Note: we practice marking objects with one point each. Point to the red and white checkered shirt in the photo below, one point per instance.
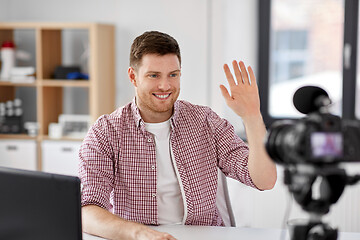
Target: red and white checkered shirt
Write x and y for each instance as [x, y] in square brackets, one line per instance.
[118, 163]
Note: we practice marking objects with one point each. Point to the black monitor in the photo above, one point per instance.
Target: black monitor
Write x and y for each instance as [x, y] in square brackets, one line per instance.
[39, 205]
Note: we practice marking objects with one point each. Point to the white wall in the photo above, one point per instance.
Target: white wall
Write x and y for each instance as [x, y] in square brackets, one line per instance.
[3, 8]
[185, 20]
[239, 29]
[202, 28]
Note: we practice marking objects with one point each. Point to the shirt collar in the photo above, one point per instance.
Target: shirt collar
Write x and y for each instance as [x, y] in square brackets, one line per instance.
[136, 113]
[175, 115]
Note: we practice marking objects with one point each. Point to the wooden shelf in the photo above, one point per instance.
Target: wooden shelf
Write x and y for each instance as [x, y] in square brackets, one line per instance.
[50, 94]
[65, 83]
[17, 136]
[50, 25]
[49, 83]
[61, 139]
[12, 84]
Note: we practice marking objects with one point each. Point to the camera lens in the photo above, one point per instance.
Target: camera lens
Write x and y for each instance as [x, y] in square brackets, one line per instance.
[275, 141]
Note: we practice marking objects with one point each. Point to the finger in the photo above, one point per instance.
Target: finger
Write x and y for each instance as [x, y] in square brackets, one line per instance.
[171, 237]
[225, 93]
[252, 77]
[244, 72]
[167, 236]
[237, 72]
[229, 76]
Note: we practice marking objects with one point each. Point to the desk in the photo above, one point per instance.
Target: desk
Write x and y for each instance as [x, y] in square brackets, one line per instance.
[184, 232]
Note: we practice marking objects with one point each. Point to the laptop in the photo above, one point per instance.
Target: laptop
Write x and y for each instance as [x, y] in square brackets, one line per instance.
[39, 205]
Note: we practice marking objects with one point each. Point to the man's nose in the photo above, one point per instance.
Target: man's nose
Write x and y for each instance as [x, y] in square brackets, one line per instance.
[164, 84]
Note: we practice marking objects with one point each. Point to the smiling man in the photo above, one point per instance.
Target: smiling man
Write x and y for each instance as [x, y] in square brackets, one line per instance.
[155, 160]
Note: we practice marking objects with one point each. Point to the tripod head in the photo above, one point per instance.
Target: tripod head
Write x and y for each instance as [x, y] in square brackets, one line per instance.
[301, 178]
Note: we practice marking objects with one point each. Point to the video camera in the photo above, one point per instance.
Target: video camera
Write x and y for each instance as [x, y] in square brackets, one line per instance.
[311, 149]
[319, 138]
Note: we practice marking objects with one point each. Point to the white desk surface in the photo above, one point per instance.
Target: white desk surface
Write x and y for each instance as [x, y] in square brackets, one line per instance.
[183, 232]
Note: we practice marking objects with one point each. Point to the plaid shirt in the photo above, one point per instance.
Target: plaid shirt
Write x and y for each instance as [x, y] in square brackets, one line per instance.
[118, 162]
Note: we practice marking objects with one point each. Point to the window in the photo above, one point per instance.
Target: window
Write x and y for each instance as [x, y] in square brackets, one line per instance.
[289, 54]
[305, 43]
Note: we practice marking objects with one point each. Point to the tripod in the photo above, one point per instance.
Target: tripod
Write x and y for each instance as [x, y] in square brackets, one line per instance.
[300, 180]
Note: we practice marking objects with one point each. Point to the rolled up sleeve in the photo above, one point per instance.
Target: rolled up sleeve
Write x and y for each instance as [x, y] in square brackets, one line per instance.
[232, 151]
[96, 167]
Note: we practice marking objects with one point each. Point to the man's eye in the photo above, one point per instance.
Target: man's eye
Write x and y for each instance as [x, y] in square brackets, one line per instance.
[173, 75]
[153, 75]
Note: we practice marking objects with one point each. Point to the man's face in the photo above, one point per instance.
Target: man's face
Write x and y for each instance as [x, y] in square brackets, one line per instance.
[157, 85]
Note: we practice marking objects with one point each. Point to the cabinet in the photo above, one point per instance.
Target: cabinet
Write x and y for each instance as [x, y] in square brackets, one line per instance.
[48, 94]
[18, 154]
[60, 157]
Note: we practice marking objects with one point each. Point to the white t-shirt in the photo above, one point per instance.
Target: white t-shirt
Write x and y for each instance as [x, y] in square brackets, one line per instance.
[169, 198]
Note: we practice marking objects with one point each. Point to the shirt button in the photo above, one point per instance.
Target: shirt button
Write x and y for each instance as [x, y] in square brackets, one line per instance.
[149, 140]
[153, 167]
[153, 195]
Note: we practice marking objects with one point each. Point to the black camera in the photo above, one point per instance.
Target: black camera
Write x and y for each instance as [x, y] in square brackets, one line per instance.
[310, 149]
[318, 138]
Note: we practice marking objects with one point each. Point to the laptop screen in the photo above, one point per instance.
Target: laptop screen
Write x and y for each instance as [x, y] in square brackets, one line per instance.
[38, 205]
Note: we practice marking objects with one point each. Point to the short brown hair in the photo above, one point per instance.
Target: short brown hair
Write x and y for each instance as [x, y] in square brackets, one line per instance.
[153, 42]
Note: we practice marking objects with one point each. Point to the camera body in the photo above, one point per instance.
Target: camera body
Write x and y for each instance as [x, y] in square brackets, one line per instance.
[318, 139]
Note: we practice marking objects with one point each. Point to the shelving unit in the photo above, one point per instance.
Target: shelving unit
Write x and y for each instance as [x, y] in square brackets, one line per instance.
[50, 92]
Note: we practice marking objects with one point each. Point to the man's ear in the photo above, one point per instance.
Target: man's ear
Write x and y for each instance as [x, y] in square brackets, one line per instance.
[132, 76]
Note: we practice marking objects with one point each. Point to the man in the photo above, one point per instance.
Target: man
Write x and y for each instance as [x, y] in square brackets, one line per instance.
[155, 160]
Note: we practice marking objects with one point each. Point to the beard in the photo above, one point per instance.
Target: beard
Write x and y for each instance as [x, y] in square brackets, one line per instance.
[146, 101]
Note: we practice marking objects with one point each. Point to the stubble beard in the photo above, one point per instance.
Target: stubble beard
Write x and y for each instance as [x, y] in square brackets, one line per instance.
[151, 104]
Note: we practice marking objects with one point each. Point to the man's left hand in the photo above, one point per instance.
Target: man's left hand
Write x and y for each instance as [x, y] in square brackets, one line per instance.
[243, 98]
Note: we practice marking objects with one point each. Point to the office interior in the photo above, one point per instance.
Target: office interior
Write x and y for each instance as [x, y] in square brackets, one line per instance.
[306, 47]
